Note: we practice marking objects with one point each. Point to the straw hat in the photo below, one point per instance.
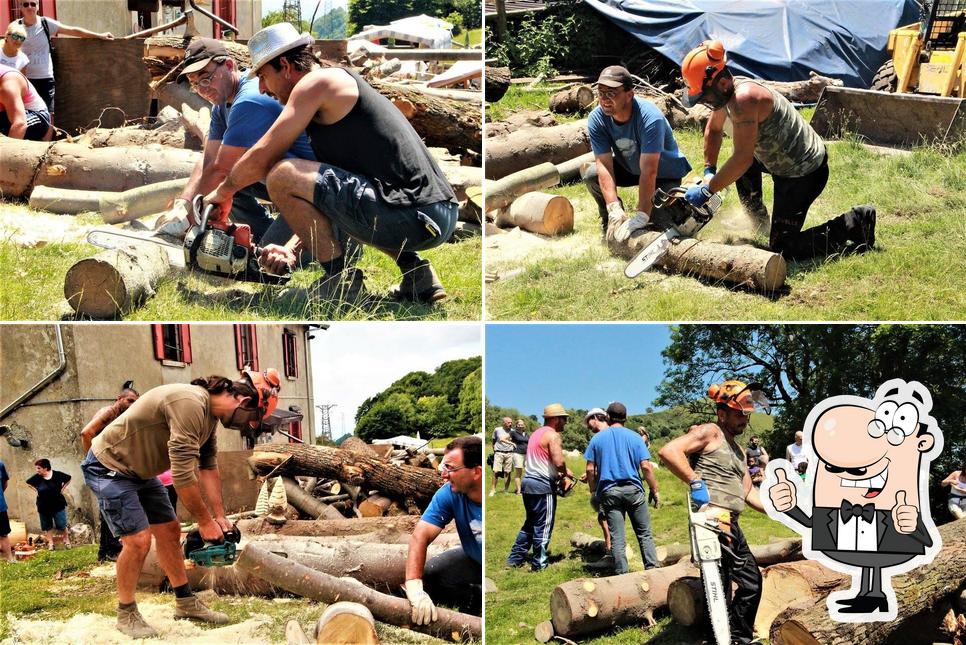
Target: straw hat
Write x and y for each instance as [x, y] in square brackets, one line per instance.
[555, 410]
[273, 41]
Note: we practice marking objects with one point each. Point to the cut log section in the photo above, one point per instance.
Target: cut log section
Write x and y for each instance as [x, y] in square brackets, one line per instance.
[784, 584]
[294, 634]
[528, 147]
[346, 623]
[379, 505]
[589, 605]
[403, 524]
[571, 170]
[670, 553]
[317, 461]
[302, 581]
[115, 208]
[541, 213]
[496, 81]
[358, 446]
[685, 601]
[307, 504]
[736, 264]
[573, 100]
[501, 193]
[543, 632]
[114, 282]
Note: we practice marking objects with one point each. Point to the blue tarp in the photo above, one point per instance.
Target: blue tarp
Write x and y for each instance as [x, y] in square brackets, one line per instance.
[778, 40]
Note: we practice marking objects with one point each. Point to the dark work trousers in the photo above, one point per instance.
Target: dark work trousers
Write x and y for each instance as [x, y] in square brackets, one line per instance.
[535, 532]
[628, 498]
[793, 197]
[108, 546]
[624, 178]
[743, 606]
[453, 579]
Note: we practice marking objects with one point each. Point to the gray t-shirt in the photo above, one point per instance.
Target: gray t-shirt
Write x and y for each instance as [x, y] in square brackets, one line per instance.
[37, 48]
[17, 62]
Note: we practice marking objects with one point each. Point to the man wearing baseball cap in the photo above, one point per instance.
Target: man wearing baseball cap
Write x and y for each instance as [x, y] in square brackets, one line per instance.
[375, 178]
[545, 465]
[633, 146]
[596, 420]
[769, 136]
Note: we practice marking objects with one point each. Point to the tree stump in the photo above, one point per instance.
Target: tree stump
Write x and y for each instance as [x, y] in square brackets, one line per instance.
[573, 100]
[346, 623]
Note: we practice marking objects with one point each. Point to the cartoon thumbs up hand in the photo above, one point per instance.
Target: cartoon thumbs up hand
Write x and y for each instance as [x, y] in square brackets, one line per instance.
[904, 516]
[783, 494]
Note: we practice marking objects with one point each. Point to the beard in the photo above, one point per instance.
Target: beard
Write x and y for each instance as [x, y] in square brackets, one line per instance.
[716, 99]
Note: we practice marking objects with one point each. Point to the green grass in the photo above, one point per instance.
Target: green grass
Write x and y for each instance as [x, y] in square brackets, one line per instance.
[470, 37]
[912, 275]
[34, 288]
[517, 100]
[523, 598]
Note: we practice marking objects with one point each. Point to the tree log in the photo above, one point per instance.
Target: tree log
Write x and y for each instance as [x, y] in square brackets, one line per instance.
[294, 634]
[685, 601]
[570, 171]
[496, 81]
[380, 505]
[308, 504]
[670, 553]
[338, 527]
[197, 122]
[573, 100]
[528, 147]
[787, 550]
[501, 193]
[115, 208]
[541, 213]
[589, 605]
[784, 584]
[114, 282]
[71, 165]
[172, 135]
[543, 632]
[803, 91]
[399, 481]
[302, 581]
[346, 623]
[742, 265]
[358, 446]
[916, 591]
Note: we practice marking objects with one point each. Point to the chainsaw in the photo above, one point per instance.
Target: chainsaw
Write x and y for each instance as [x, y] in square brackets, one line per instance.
[209, 554]
[688, 218]
[706, 553]
[214, 246]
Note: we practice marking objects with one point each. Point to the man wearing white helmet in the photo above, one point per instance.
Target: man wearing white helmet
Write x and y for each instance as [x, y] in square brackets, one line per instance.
[376, 181]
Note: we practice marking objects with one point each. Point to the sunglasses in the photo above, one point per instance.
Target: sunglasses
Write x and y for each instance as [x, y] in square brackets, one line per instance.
[16, 37]
[28, 5]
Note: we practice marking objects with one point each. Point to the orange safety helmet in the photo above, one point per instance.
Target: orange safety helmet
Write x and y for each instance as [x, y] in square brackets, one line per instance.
[700, 68]
[267, 384]
[737, 395]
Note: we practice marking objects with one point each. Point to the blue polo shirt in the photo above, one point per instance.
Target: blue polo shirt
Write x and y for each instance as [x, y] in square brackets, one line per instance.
[4, 477]
[646, 132]
[447, 506]
[242, 122]
[617, 453]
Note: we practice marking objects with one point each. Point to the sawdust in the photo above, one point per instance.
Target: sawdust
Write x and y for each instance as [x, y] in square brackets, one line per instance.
[99, 628]
[106, 570]
[518, 247]
[32, 229]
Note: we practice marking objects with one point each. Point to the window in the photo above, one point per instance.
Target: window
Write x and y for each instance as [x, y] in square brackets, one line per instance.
[295, 429]
[290, 354]
[224, 9]
[246, 347]
[172, 343]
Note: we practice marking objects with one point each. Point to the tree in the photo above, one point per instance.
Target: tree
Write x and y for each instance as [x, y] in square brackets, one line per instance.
[470, 398]
[275, 17]
[389, 417]
[331, 25]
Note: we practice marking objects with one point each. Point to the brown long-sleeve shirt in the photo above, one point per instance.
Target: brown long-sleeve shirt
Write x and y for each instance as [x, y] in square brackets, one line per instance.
[170, 426]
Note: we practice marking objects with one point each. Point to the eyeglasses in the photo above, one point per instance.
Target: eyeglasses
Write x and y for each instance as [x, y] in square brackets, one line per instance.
[28, 5]
[202, 81]
[449, 468]
[16, 37]
[609, 94]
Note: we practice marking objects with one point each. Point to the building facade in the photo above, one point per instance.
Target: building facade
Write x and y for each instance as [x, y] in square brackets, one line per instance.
[68, 372]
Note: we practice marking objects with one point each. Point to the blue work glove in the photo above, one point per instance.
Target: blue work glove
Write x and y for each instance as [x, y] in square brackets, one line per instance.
[699, 492]
[697, 196]
[709, 170]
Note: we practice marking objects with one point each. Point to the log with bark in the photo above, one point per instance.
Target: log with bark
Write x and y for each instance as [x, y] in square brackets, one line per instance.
[403, 524]
[71, 165]
[786, 583]
[742, 265]
[917, 591]
[346, 623]
[589, 605]
[380, 505]
[307, 504]
[317, 461]
[576, 99]
[115, 208]
[807, 91]
[173, 137]
[668, 554]
[496, 81]
[114, 282]
[572, 169]
[686, 601]
[541, 213]
[528, 147]
[302, 581]
[358, 446]
[502, 192]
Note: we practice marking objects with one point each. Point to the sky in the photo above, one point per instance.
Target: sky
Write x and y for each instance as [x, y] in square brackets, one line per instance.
[580, 366]
[308, 6]
[353, 361]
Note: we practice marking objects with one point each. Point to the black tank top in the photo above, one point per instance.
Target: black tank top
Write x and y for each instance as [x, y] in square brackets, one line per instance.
[376, 141]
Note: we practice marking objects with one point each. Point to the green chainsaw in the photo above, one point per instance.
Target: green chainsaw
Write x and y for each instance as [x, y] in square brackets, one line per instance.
[211, 554]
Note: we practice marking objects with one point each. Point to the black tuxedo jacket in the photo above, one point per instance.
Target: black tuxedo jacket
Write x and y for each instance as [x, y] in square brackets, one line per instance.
[825, 526]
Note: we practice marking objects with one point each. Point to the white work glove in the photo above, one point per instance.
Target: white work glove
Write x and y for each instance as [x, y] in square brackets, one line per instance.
[424, 611]
[174, 223]
[615, 214]
[629, 226]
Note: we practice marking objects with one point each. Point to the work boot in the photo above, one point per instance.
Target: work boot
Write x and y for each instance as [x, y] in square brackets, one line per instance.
[860, 227]
[131, 623]
[194, 609]
[419, 284]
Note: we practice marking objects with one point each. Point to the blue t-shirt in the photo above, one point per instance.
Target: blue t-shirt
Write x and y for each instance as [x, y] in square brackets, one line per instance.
[243, 122]
[647, 131]
[617, 453]
[4, 478]
[447, 505]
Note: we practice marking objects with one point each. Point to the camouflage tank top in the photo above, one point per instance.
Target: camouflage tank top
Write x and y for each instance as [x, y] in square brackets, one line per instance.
[786, 146]
[723, 470]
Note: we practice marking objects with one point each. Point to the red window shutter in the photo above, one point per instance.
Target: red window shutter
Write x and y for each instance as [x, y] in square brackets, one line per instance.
[254, 340]
[295, 430]
[239, 353]
[295, 356]
[185, 343]
[157, 331]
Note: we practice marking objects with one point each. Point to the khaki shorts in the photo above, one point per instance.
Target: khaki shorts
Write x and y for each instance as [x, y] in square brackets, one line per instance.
[519, 461]
[502, 462]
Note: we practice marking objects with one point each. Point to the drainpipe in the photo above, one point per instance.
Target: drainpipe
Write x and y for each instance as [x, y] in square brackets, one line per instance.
[45, 381]
[212, 16]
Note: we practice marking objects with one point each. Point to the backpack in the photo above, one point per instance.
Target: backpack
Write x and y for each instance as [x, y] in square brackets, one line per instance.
[50, 43]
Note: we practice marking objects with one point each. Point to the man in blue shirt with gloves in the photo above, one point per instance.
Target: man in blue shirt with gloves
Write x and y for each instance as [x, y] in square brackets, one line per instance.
[633, 146]
[616, 457]
[456, 575]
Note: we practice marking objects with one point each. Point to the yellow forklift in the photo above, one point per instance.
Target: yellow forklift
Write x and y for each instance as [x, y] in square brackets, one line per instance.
[918, 96]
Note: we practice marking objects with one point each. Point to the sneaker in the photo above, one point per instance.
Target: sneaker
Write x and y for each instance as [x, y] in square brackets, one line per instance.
[131, 623]
[419, 284]
[194, 609]
[492, 493]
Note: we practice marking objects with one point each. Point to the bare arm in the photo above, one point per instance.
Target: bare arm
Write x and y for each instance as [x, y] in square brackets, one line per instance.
[211, 484]
[763, 459]
[645, 188]
[675, 452]
[422, 537]
[11, 98]
[204, 165]
[745, 120]
[713, 136]
[555, 447]
[190, 496]
[605, 177]
[592, 477]
[80, 32]
[648, 471]
[92, 429]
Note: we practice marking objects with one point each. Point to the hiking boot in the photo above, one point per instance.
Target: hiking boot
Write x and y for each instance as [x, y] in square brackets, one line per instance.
[419, 284]
[345, 287]
[194, 609]
[860, 227]
[131, 623]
